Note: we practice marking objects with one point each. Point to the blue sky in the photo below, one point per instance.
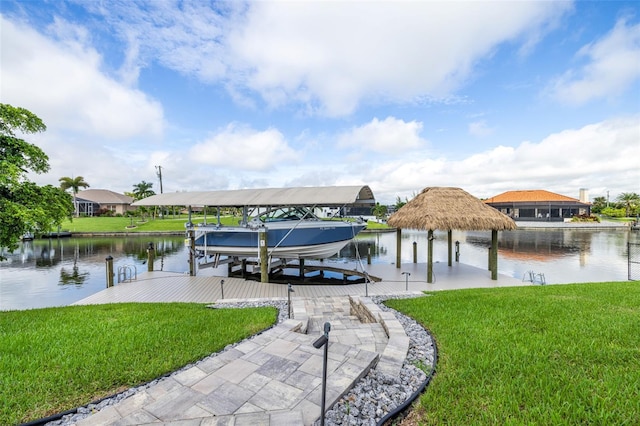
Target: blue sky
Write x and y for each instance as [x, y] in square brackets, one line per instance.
[486, 96]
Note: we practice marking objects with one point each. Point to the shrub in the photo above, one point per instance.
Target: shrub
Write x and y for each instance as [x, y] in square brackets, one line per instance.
[585, 218]
[611, 212]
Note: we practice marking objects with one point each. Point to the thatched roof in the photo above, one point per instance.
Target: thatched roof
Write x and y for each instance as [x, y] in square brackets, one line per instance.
[449, 208]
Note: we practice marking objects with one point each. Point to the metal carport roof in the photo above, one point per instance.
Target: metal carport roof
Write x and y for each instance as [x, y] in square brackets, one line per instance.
[263, 197]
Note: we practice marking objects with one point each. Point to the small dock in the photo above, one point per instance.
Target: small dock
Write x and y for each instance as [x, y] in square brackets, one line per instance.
[160, 286]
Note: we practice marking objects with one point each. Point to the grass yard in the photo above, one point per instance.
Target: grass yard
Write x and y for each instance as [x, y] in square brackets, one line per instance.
[123, 224]
[168, 224]
[543, 355]
[56, 359]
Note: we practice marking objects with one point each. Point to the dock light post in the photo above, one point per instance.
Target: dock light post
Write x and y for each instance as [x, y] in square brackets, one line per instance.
[222, 289]
[289, 291]
[457, 251]
[320, 342]
[366, 284]
[407, 275]
[109, 260]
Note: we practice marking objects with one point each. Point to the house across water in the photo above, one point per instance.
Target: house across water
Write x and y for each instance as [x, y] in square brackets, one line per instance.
[540, 205]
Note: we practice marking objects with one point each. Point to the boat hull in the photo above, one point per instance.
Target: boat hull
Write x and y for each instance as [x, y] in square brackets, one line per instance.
[316, 240]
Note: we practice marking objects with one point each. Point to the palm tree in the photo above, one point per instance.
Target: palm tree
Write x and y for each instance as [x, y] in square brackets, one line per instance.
[630, 200]
[74, 184]
[143, 190]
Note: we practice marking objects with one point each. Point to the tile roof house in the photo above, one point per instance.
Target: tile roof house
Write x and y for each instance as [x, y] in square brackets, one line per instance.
[540, 205]
[92, 200]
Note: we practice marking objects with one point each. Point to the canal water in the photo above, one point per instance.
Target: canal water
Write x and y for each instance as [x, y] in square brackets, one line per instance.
[58, 272]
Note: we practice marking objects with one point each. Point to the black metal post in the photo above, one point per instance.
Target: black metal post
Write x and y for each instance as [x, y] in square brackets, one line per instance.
[407, 274]
[323, 341]
[289, 291]
[366, 284]
[222, 289]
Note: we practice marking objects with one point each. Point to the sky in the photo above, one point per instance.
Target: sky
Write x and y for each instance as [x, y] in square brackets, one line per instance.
[488, 96]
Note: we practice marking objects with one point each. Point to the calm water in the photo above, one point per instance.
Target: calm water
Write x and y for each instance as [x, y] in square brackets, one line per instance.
[45, 273]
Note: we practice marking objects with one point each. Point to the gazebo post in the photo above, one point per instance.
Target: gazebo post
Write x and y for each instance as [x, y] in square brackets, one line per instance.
[398, 247]
[430, 257]
[494, 254]
[450, 243]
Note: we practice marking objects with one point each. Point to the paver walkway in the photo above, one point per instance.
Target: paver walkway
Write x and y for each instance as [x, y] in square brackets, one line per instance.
[273, 378]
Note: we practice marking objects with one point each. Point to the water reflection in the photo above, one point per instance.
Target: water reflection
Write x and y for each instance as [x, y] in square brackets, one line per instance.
[59, 272]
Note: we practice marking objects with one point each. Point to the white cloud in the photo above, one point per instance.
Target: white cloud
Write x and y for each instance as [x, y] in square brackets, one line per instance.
[62, 83]
[333, 55]
[600, 155]
[388, 136]
[613, 64]
[480, 129]
[328, 57]
[241, 147]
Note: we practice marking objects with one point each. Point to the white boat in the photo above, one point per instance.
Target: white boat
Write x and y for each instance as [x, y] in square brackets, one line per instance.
[291, 233]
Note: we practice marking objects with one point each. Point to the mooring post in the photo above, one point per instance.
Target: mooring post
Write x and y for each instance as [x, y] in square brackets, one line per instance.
[109, 262]
[415, 252]
[320, 342]
[264, 256]
[221, 289]
[150, 257]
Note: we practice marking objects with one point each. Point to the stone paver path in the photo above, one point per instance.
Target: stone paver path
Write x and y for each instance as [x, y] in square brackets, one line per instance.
[273, 378]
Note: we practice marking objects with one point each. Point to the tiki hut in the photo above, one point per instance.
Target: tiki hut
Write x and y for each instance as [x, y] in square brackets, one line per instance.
[448, 209]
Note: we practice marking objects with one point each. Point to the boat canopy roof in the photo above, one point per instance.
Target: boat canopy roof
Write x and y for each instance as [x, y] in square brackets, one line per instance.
[321, 196]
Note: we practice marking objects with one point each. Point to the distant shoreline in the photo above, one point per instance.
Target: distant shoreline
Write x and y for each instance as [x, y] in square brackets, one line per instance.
[574, 225]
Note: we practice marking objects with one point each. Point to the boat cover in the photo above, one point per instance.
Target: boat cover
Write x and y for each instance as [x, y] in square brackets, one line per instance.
[322, 196]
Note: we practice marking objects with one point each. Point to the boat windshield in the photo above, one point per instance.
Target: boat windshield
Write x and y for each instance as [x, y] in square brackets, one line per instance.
[287, 213]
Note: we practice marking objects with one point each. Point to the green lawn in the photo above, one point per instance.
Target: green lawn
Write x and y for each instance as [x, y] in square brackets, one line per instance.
[169, 224]
[539, 355]
[123, 224]
[55, 359]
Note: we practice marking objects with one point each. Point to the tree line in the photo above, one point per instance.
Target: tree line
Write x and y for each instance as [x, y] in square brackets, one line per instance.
[626, 204]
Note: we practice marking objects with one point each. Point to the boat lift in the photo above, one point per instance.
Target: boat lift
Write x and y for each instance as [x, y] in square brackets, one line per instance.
[332, 196]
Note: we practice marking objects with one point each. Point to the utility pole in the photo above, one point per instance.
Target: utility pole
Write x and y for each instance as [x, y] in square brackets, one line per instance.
[159, 173]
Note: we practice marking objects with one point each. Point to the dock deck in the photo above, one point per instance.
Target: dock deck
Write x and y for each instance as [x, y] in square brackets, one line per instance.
[161, 286]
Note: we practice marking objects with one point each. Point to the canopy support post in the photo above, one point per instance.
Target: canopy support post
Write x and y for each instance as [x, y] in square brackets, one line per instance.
[264, 256]
[398, 248]
[450, 244]
[192, 251]
[430, 257]
[494, 254]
